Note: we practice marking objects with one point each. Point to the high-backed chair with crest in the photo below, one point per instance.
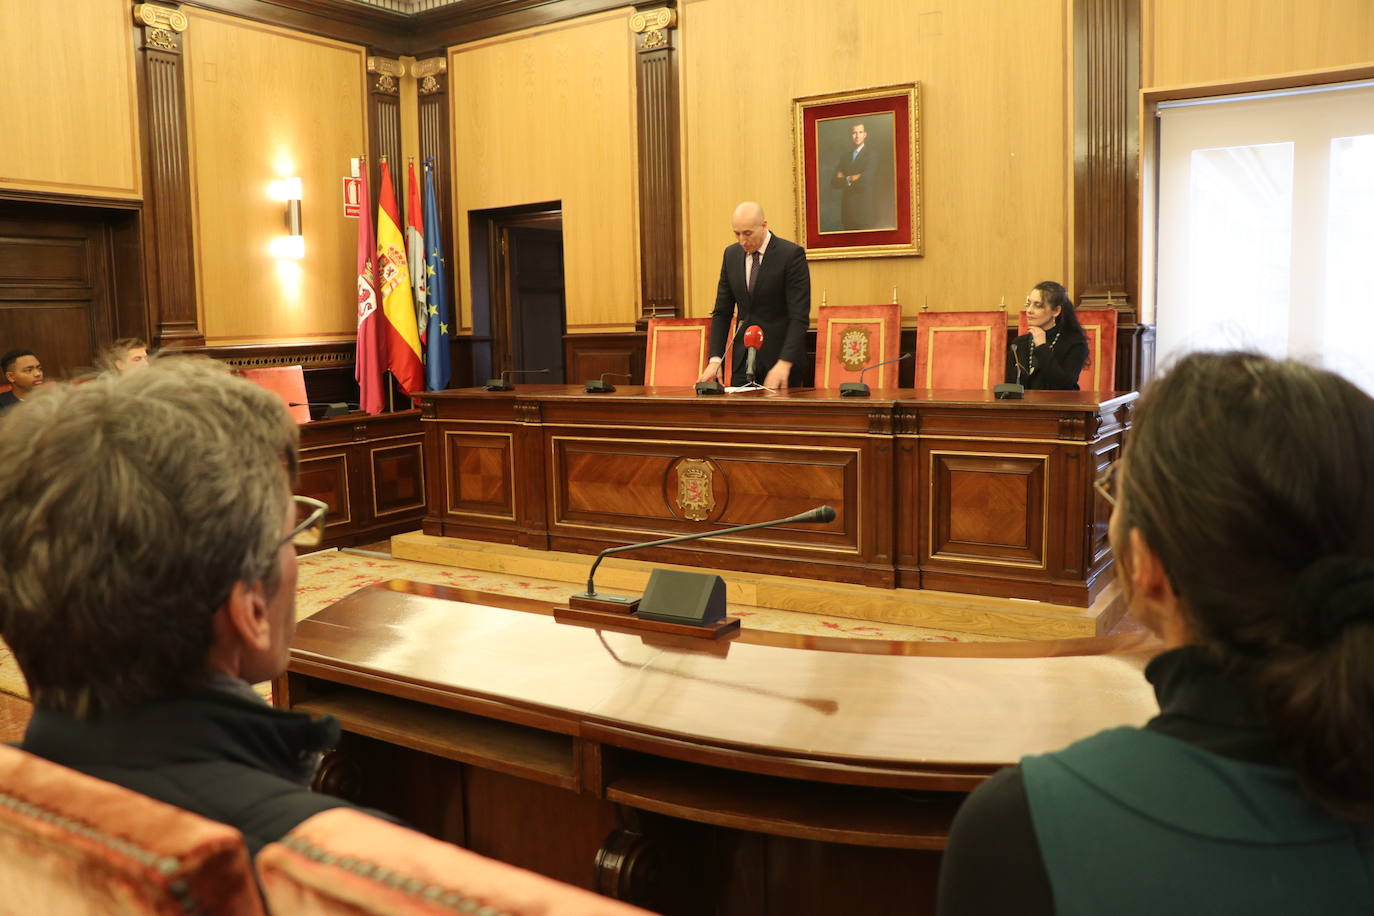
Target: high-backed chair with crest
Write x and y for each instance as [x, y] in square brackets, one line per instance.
[850, 337]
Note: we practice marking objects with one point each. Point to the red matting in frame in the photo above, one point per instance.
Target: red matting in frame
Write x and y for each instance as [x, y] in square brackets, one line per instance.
[899, 105]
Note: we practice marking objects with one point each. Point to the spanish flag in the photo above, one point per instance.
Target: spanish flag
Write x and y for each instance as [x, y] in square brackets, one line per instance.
[400, 331]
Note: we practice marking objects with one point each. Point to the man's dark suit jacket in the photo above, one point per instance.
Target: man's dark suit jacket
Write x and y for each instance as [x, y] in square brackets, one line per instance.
[780, 305]
[856, 201]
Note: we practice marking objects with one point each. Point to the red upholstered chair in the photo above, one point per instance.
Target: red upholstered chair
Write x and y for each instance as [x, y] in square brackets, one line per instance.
[344, 862]
[849, 337]
[676, 351]
[75, 845]
[1099, 327]
[960, 349]
[287, 382]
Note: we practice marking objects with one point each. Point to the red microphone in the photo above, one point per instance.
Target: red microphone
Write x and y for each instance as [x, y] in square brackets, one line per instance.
[753, 339]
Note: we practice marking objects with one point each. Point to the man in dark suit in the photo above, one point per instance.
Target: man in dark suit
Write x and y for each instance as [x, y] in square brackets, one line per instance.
[768, 279]
[851, 176]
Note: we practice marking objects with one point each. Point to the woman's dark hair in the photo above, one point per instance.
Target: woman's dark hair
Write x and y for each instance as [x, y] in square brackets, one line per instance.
[1253, 480]
[1056, 296]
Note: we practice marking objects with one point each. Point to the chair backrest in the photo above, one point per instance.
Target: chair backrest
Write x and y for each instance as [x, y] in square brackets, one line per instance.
[288, 383]
[960, 349]
[1099, 327]
[342, 861]
[677, 349]
[76, 845]
[849, 337]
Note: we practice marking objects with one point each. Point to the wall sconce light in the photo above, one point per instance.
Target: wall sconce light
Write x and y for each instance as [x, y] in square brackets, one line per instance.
[291, 245]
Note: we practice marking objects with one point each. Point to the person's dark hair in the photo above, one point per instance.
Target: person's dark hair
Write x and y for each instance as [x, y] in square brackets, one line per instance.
[129, 507]
[1056, 296]
[7, 361]
[1253, 480]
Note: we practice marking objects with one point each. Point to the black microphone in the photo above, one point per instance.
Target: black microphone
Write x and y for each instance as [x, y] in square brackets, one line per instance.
[601, 386]
[331, 408]
[818, 515]
[500, 384]
[859, 389]
[1011, 391]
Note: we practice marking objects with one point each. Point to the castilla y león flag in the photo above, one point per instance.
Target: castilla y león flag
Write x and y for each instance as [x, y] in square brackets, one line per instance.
[400, 332]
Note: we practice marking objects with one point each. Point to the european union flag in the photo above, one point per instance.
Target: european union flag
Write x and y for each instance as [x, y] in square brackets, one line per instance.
[438, 356]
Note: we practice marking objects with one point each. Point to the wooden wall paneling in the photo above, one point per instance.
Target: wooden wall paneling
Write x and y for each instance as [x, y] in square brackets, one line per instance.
[71, 99]
[168, 236]
[56, 288]
[435, 30]
[383, 30]
[384, 126]
[660, 169]
[587, 356]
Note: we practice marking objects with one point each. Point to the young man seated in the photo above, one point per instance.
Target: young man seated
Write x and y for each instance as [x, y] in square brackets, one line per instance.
[23, 373]
[150, 577]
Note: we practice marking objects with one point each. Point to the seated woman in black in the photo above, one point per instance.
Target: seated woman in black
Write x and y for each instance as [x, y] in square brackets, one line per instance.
[1049, 356]
[1243, 530]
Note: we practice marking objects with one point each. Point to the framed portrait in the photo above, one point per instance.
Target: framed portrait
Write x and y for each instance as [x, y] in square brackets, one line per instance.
[858, 172]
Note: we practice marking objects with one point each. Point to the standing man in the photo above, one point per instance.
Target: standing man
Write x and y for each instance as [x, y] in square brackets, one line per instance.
[853, 179]
[24, 373]
[767, 278]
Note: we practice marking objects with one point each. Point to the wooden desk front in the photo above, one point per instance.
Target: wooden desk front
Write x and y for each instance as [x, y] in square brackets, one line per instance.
[764, 774]
[950, 490]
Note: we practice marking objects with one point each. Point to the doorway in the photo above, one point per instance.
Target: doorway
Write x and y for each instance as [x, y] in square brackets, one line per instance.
[524, 303]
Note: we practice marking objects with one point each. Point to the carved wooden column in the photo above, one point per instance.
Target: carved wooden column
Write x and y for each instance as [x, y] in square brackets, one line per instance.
[169, 256]
[384, 123]
[1106, 88]
[431, 77]
[660, 164]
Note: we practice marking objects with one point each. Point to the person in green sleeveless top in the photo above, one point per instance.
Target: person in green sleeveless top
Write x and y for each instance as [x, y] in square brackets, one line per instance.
[1243, 529]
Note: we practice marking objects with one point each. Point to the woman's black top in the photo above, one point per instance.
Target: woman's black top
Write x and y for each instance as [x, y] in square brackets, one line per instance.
[1052, 366]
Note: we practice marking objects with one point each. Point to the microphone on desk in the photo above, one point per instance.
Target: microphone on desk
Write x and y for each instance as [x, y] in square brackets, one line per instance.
[502, 384]
[859, 389]
[677, 596]
[1011, 391]
[331, 408]
[753, 339]
[601, 386]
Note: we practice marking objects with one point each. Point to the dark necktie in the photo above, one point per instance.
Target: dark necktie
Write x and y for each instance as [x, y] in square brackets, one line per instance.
[754, 270]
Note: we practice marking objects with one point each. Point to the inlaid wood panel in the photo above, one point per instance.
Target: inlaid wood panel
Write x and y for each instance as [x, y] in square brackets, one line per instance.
[398, 478]
[479, 474]
[325, 477]
[988, 506]
[70, 122]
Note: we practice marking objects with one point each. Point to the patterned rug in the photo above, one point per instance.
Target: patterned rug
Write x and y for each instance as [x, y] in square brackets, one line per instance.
[327, 576]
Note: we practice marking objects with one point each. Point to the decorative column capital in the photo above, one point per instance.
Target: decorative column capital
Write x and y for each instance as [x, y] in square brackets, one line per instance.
[387, 72]
[652, 27]
[162, 26]
[430, 74]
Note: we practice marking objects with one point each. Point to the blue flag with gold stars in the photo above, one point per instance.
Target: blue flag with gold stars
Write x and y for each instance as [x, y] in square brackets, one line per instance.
[438, 356]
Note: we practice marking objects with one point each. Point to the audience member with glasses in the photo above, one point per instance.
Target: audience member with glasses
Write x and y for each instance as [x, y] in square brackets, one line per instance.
[1051, 354]
[1243, 530]
[150, 578]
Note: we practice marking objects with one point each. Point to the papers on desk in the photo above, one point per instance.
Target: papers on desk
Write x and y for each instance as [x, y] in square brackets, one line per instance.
[753, 386]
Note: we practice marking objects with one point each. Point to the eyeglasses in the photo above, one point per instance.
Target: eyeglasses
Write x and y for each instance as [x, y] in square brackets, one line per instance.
[309, 531]
[1105, 484]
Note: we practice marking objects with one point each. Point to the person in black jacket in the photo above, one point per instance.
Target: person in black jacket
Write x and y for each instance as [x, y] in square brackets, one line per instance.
[1243, 532]
[150, 578]
[1052, 353]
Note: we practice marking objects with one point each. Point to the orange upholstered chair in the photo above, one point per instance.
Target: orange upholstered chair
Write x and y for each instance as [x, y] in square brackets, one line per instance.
[1099, 327]
[343, 861]
[78, 846]
[677, 348]
[288, 383]
[849, 337]
[960, 349]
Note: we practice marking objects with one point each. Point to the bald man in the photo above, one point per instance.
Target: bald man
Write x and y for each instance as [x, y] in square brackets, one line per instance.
[767, 280]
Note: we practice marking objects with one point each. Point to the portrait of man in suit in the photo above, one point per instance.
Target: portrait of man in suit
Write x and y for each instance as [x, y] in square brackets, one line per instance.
[855, 157]
[765, 281]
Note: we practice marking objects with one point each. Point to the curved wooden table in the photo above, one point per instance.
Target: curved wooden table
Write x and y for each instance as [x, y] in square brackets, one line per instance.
[763, 773]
